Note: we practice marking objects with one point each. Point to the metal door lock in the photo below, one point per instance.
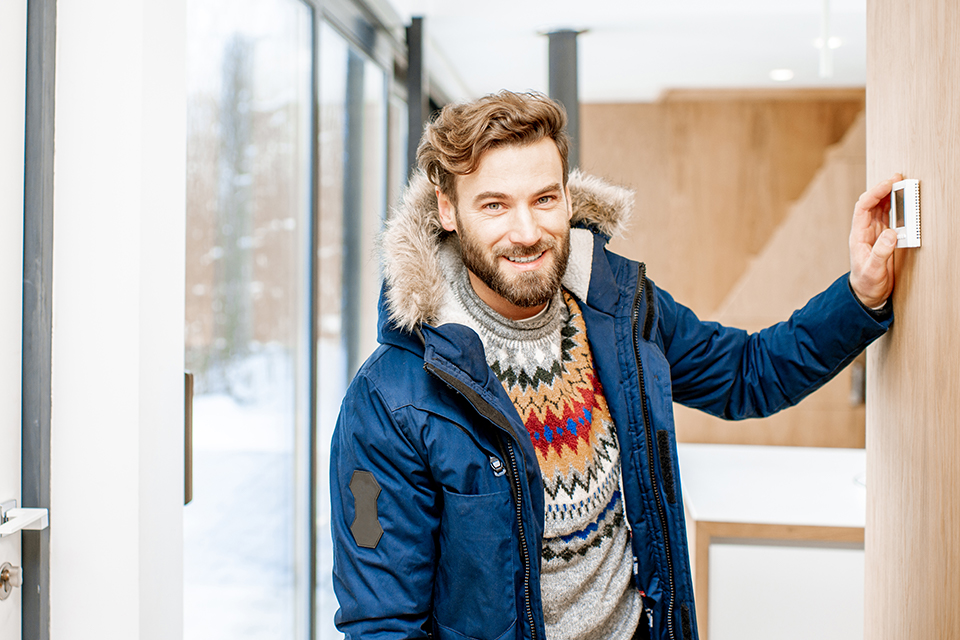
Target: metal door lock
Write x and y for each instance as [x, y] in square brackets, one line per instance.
[10, 577]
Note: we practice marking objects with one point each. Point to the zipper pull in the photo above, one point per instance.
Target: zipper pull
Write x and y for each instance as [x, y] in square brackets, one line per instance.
[497, 465]
[649, 617]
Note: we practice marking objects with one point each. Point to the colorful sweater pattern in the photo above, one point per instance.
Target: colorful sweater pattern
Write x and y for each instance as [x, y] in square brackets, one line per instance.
[546, 367]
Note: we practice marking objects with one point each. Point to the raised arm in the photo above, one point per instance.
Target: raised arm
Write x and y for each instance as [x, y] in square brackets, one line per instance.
[736, 375]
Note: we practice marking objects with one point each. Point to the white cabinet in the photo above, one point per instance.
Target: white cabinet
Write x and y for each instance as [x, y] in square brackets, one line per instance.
[776, 539]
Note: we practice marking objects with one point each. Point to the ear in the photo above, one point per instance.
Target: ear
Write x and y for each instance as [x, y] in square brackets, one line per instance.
[448, 215]
[566, 193]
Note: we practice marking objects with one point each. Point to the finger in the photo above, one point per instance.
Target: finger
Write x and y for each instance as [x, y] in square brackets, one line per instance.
[884, 246]
[874, 196]
[885, 216]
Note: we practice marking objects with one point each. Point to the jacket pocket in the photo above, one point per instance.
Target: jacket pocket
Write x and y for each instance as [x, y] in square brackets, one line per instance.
[475, 591]
[443, 633]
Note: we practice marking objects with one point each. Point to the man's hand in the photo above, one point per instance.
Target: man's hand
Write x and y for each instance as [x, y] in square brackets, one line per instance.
[872, 242]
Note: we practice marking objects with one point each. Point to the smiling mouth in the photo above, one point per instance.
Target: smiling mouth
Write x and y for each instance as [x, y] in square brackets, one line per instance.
[524, 259]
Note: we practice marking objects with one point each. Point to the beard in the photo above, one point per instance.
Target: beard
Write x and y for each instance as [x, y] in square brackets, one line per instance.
[524, 289]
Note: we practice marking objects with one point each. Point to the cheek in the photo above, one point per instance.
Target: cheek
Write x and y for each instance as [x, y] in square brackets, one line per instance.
[490, 235]
[558, 225]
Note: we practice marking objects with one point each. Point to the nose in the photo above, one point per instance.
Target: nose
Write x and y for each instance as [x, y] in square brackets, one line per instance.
[525, 230]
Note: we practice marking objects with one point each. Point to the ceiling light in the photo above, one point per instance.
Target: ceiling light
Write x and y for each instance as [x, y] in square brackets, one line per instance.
[781, 75]
[834, 42]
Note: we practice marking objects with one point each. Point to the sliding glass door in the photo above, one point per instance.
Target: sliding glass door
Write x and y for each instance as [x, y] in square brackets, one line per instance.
[250, 186]
[288, 125]
[353, 179]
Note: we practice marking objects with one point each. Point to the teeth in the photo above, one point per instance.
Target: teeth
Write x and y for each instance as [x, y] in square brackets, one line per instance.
[523, 260]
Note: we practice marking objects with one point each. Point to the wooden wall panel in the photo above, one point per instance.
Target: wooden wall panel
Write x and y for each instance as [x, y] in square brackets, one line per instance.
[913, 389]
[715, 173]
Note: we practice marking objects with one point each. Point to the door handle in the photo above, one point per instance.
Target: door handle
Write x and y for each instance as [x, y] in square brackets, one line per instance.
[13, 519]
[187, 437]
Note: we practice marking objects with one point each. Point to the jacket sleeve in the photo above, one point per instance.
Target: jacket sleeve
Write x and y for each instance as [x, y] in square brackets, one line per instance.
[734, 375]
[384, 521]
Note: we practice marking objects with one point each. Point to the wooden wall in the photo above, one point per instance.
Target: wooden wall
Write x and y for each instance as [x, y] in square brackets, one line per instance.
[730, 189]
[913, 383]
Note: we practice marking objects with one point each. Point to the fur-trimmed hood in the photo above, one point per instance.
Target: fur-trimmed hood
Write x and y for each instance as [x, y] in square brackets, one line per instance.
[410, 243]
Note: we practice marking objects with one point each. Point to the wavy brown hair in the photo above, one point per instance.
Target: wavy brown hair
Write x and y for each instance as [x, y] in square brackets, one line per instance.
[453, 144]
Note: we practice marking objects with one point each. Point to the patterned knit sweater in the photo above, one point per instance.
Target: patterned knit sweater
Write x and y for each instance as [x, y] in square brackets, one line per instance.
[546, 367]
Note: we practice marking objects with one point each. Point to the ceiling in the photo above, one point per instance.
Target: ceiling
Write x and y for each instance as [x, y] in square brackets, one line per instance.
[633, 51]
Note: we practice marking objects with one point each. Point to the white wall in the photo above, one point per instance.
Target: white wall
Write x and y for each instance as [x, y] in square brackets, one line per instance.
[117, 414]
[13, 24]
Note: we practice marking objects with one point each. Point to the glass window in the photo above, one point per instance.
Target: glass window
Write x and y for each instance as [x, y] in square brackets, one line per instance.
[247, 317]
[250, 255]
[353, 179]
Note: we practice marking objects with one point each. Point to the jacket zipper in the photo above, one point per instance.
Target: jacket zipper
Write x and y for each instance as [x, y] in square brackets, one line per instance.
[486, 410]
[524, 550]
[648, 432]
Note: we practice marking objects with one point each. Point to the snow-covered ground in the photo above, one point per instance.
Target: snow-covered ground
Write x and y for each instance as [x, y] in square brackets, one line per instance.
[240, 564]
[242, 570]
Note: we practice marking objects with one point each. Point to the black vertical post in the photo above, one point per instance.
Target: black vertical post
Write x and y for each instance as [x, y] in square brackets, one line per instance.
[563, 84]
[37, 309]
[418, 109]
[353, 211]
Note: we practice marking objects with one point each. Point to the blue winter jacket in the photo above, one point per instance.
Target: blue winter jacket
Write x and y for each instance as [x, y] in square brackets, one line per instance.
[437, 499]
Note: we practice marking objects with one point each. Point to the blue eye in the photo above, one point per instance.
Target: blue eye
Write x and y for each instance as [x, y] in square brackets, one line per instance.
[544, 199]
[493, 206]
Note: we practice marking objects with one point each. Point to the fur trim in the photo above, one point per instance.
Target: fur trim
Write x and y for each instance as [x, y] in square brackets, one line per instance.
[410, 243]
[599, 204]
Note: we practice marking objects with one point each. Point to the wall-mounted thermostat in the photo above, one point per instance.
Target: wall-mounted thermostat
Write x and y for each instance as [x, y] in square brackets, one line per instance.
[905, 212]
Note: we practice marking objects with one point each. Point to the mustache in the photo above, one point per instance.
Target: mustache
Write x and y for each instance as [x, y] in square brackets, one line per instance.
[520, 251]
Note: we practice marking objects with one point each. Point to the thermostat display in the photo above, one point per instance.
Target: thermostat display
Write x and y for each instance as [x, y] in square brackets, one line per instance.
[905, 212]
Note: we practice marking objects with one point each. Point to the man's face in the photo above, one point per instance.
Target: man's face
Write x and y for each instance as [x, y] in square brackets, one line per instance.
[513, 221]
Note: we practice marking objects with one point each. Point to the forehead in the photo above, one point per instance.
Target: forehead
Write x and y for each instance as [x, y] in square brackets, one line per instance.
[514, 170]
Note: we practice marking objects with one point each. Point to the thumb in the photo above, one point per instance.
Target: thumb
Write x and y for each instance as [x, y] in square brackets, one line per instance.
[884, 246]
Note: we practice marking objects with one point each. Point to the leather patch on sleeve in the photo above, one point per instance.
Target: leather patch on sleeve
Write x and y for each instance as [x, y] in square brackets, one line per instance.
[366, 527]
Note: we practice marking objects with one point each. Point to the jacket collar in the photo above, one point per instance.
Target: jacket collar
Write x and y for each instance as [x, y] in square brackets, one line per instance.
[415, 289]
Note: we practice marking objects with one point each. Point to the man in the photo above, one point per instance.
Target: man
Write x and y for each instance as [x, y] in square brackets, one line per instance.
[504, 465]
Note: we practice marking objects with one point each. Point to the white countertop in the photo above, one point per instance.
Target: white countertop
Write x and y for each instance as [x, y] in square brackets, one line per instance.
[774, 485]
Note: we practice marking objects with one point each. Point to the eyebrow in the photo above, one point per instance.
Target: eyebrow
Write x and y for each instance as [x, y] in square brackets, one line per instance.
[553, 187]
[497, 195]
[489, 195]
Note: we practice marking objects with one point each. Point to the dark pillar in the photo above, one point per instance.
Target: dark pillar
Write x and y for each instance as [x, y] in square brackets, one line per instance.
[563, 85]
[418, 109]
[353, 211]
[37, 310]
